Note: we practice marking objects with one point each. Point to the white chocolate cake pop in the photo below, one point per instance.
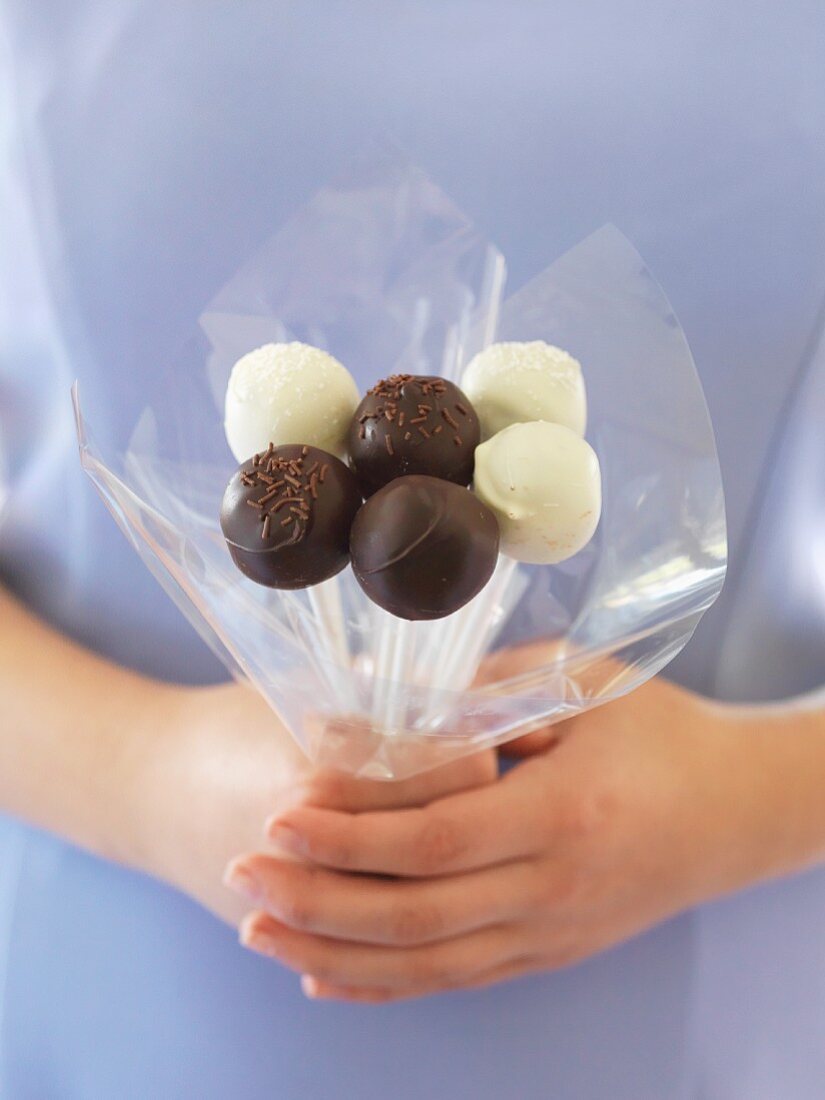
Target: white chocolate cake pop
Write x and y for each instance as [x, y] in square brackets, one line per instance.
[542, 481]
[512, 383]
[288, 393]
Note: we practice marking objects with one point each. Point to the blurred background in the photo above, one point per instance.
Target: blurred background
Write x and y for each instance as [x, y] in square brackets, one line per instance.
[152, 146]
[146, 148]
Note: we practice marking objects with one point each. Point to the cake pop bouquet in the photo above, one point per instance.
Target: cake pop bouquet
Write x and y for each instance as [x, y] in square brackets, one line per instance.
[371, 473]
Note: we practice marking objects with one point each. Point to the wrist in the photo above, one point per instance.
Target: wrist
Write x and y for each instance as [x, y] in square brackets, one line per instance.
[131, 771]
[769, 806]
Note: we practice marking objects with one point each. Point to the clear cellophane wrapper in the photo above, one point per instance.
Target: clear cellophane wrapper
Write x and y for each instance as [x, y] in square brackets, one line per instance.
[383, 271]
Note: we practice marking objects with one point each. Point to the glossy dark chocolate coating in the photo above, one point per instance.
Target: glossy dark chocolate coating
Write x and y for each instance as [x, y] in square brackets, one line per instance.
[286, 516]
[423, 547]
[413, 424]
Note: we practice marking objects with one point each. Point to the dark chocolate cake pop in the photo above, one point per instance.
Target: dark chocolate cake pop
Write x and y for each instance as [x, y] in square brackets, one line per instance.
[422, 547]
[286, 516]
[413, 424]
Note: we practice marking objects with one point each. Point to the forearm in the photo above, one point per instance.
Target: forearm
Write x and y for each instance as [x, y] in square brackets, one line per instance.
[70, 726]
[780, 787]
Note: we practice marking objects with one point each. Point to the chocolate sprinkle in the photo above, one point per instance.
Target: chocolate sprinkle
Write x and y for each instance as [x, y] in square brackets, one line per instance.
[295, 489]
[298, 534]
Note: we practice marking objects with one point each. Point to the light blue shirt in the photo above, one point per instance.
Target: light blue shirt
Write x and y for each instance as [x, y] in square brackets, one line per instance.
[146, 150]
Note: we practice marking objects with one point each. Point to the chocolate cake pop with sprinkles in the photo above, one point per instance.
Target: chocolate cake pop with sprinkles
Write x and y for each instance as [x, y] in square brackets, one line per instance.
[413, 424]
[286, 516]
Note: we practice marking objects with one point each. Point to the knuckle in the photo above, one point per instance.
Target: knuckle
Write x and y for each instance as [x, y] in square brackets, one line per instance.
[558, 888]
[323, 969]
[589, 813]
[327, 789]
[563, 954]
[411, 924]
[338, 851]
[437, 845]
[537, 891]
[342, 855]
[433, 970]
[297, 912]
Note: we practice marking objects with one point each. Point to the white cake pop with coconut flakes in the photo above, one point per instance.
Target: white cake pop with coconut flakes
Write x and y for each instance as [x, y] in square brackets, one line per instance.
[288, 393]
[512, 383]
[543, 483]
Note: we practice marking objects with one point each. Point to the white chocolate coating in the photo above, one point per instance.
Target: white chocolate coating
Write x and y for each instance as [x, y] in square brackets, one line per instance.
[513, 383]
[288, 393]
[543, 483]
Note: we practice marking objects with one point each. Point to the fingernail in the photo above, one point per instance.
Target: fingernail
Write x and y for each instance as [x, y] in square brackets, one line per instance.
[241, 879]
[309, 987]
[261, 943]
[286, 838]
[255, 938]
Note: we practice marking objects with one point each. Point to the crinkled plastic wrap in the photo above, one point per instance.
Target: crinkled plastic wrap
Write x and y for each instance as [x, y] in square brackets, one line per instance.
[383, 271]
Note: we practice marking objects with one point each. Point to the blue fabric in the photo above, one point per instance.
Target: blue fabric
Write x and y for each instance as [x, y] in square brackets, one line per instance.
[146, 149]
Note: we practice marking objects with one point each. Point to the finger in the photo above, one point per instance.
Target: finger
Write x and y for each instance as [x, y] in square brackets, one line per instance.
[404, 912]
[340, 962]
[493, 824]
[531, 743]
[339, 791]
[325, 991]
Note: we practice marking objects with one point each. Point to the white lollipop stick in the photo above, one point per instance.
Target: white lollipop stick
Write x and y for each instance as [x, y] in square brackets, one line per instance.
[380, 646]
[306, 627]
[392, 665]
[461, 644]
[467, 649]
[330, 630]
[326, 602]
[400, 664]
